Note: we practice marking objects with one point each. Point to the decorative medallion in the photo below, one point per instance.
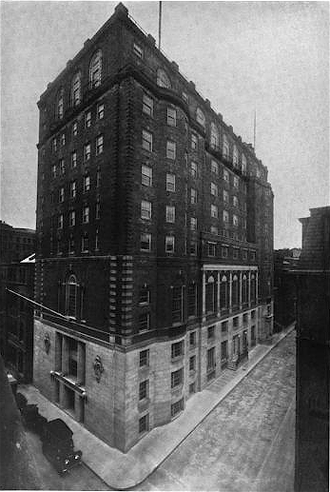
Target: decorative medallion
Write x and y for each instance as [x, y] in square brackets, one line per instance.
[98, 368]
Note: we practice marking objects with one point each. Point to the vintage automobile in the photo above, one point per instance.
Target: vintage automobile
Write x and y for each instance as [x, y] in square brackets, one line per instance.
[57, 446]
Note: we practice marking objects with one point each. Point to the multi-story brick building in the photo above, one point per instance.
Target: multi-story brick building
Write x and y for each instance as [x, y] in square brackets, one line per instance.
[155, 238]
[312, 277]
[16, 243]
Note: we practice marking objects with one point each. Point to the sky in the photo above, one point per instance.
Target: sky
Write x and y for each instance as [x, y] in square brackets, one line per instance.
[272, 57]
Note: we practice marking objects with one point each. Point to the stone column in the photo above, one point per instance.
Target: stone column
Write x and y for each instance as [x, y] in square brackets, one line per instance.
[240, 289]
[81, 363]
[230, 290]
[203, 296]
[218, 294]
[249, 288]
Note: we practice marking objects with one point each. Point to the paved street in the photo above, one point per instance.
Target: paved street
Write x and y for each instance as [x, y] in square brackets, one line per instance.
[247, 443]
[79, 478]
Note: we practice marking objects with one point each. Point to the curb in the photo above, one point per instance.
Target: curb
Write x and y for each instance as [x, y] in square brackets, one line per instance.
[247, 371]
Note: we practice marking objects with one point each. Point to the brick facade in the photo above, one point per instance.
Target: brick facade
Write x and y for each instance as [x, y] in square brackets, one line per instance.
[138, 234]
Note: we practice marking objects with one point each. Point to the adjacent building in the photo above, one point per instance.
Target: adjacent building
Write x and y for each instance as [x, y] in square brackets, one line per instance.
[16, 243]
[312, 278]
[154, 239]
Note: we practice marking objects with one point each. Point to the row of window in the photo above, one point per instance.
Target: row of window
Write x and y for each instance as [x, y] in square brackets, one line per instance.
[86, 181]
[85, 216]
[59, 169]
[73, 247]
[60, 141]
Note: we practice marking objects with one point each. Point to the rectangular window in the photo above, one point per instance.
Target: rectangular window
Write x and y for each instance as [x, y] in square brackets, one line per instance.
[87, 152]
[211, 359]
[235, 220]
[193, 169]
[146, 175]
[74, 159]
[73, 189]
[177, 407]
[62, 167]
[192, 339]
[144, 424]
[253, 314]
[193, 224]
[224, 327]
[210, 332]
[72, 218]
[145, 210]
[194, 141]
[54, 171]
[193, 247]
[224, 351]
[235, 201]
[191, 299]
[192, 388]
[244, 254]
[236, 182]
[235, 322]
[144, 321]
[225, 216]
[177, 305]
[214, 230]
[137, 50]
[54, 145]
[170, 214]
[193, 196]
[171, 116]
[192, 363]
[169, 244]
[61, 195]
[87, 183]
[214, 167]
[99, 145]
[63, 139]
[147, 140]
[176, 378]
[71, 245]
[88, 119]
[148, 105]
[225, 196]
[144, 389]
[60, 221]
[75, 128]
[253, 255]
[214, 211]
[170, 149]
[226, 175]
[85, 215]
[145, 242]
[176, 349]
[144, 295]
[144, 358]
[235, 253]
[224, 252]
[214, 189]
[100, 111]
[245, 318]
[211, 249]
[170, 182]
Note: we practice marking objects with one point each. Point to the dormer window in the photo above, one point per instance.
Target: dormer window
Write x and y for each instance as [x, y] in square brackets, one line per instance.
[60, 104]
[200, 117]
[95, 70]
[163, 79]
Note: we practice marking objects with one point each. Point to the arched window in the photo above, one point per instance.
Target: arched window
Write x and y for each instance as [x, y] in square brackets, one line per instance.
[163, 79]
[214, 136]
[95, 70]
[200, 117]
[71, 296]
[210, 295]
[60, 104]
[244, 289]
[253, 287]
[235, 292]
[225, 146]
[224, 292]
[76, 89]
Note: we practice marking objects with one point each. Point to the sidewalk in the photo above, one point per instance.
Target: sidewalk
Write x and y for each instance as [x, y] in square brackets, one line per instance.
[122, 471]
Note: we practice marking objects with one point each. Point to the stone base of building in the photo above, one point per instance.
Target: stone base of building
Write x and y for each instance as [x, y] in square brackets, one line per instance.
[121, 394]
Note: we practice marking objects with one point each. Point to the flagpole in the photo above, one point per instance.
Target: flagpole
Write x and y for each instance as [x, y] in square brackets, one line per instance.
[160, 25]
